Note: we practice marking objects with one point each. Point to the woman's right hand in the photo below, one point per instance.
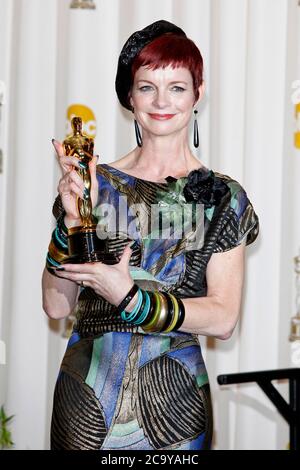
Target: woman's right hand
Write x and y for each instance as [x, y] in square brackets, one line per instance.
[71, 184]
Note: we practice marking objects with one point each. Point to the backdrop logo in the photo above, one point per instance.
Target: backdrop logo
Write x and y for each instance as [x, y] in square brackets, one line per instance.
[295, 98]
[89, 125]
[297, 133]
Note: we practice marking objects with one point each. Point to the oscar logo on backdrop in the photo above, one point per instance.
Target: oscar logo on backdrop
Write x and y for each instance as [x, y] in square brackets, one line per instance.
[296, 101]
[89, 126]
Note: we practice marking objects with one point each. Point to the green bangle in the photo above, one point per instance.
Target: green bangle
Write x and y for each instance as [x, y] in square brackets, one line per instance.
[152, 323]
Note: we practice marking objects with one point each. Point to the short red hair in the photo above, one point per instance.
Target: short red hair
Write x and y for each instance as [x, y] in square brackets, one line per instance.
[174, 50]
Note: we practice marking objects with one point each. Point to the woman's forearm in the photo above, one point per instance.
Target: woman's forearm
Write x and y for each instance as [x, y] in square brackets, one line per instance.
[59, 295]
[209, 317]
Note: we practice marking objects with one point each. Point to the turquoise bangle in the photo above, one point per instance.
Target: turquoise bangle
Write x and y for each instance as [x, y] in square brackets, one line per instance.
[60, 238]
[127, 316]
[61, 225]
[130, 316]
[52, 261]
[145, 311]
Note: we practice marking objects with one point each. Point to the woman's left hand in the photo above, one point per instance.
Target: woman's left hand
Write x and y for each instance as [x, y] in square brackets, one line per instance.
[112, 282]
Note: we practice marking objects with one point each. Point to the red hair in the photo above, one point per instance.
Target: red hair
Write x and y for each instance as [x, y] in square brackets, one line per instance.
[174, 50]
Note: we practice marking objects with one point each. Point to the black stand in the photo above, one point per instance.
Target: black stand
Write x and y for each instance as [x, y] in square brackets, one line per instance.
[289, 411]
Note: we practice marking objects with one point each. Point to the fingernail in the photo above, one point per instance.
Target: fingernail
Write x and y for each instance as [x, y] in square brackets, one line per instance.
[59, 268]
[53, 141]
[82, 165]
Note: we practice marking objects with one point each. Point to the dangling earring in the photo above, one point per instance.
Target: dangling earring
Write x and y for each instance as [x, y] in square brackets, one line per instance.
[196, 132]
[138, 136]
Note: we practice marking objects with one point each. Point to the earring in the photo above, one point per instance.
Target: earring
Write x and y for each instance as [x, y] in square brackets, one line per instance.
[138, 136]
[196, 132]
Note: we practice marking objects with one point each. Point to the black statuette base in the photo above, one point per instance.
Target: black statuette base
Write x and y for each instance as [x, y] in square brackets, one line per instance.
[86, 247]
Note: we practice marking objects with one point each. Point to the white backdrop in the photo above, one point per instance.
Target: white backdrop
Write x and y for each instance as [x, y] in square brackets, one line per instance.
[251, 55]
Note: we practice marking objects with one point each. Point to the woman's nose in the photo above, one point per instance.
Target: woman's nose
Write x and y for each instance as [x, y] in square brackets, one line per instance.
[161, 99]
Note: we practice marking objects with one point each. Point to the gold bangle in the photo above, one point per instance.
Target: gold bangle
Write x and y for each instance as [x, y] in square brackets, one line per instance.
[162, 314]
[176, 314]
[152, 323]
[57, 255]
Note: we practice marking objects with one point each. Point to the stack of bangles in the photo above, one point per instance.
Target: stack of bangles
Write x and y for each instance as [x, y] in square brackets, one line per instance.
[154, 312]
[58, 250]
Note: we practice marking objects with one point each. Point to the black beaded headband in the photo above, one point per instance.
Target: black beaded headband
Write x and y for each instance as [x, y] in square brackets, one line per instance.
[136, 42]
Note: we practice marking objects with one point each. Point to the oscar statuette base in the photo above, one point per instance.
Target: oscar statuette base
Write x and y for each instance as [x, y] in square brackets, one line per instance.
[86, 247]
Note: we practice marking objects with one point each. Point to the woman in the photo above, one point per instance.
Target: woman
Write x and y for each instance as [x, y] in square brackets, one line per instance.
[133, 376]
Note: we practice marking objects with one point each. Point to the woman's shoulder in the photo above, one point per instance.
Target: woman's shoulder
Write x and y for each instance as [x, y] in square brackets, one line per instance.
[231, 182]
[238, 217]
[213, 188]
[238, 198]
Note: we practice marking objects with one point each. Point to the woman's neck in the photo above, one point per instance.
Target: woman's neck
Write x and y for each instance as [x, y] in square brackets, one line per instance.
[164, 156]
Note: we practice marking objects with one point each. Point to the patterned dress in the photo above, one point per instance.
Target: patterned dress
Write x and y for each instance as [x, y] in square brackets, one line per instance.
[118, 387]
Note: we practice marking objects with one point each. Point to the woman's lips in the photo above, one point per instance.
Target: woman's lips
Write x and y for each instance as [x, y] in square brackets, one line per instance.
[161, 117]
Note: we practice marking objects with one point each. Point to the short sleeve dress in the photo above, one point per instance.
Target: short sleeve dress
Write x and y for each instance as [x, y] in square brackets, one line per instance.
[122, 389]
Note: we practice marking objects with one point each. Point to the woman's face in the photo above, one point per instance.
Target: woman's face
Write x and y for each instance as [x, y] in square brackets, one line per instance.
[163, 99]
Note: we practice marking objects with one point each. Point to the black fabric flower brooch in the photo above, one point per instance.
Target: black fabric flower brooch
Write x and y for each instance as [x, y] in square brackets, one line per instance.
[204, 187]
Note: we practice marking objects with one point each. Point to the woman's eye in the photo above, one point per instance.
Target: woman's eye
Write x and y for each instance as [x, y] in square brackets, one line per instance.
[178, 88]
[145, 88]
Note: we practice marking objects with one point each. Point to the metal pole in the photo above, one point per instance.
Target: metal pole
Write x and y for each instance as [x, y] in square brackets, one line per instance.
[294, 391]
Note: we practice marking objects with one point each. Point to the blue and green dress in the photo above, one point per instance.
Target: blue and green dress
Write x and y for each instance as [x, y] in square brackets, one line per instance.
[122, 389]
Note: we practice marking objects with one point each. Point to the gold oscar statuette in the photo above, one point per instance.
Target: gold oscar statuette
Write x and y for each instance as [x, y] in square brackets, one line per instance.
[84, 244]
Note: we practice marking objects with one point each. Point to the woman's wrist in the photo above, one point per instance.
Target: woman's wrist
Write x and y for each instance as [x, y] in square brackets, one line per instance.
[58, 251]
[154, 312]
[132, 303]
[71, 222]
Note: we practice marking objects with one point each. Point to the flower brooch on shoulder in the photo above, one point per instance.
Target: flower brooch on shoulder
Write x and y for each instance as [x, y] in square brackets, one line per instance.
[204, 187]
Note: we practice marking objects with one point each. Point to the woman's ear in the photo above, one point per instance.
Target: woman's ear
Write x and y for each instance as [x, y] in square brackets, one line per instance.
[130, 99]
[201, 91]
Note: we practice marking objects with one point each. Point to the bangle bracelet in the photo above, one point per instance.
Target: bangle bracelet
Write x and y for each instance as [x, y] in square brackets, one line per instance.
[181, 314]
[175, 317]
[144, 310]
[61, 224]
[171, 313]
[128, 298]
[150, 309]
[57, 254]
[130, 316]
[150, 326]
[59, 241]
[159, 326]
